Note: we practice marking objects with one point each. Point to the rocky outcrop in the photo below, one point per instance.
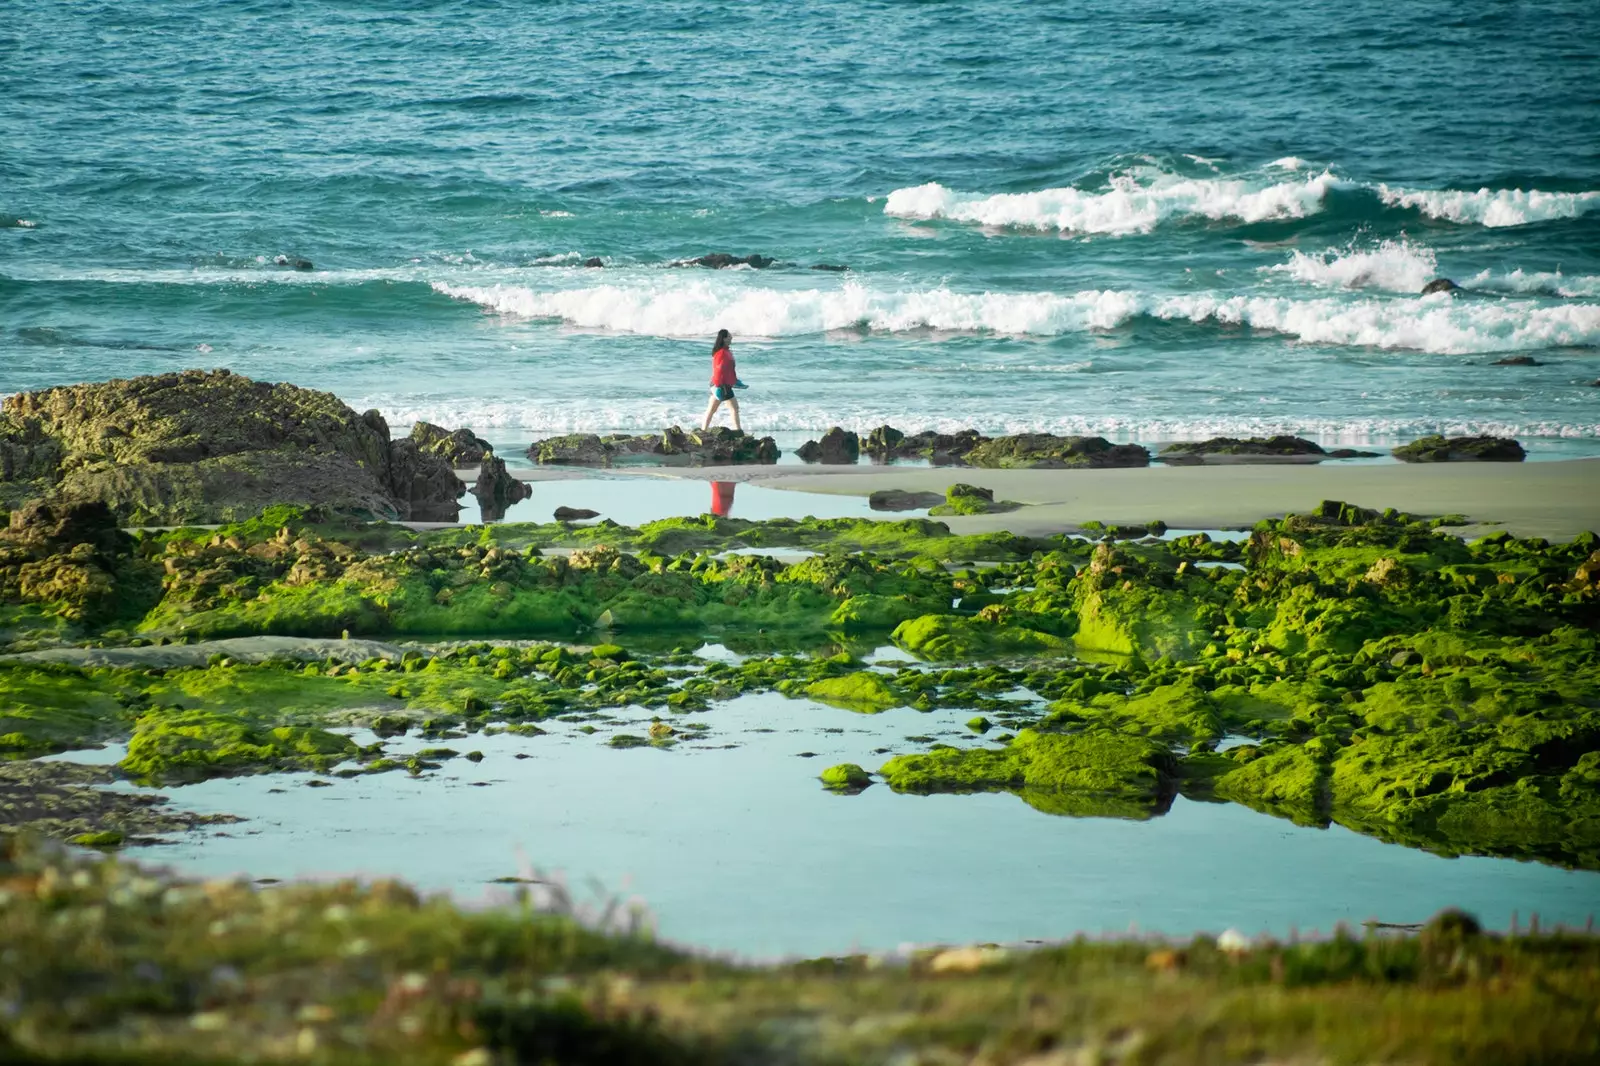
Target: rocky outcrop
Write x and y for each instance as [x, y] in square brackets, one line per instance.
[972, 499]
[203, 446]
[838, 447]
[1440, 285]
[1437, 449]
[1043, 451]
[461, 447]
[1517, 360]
[673, 447]
[496, 489]
[574, 514]
[901, 500]
[1264, 449]
[67, 555]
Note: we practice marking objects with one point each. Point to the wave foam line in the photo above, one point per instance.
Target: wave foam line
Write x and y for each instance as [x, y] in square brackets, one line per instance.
[1493, 208]
[1126, 207]
[1434, 324]
[536, 418]
[1398, 266]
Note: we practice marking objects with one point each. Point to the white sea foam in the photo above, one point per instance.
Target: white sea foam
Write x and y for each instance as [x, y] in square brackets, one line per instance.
[509, 421]
[1133, 203]
[695, 308]
[1398, 266]
[1552, 283]
[1437, 324]
[1492, 207]
[691, 309]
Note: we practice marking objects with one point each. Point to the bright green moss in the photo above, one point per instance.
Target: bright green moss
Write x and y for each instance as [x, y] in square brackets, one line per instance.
[862, 690]
[176, 745]
[846, 777]
[1178, 711]
[1105, 763]
[951, 637]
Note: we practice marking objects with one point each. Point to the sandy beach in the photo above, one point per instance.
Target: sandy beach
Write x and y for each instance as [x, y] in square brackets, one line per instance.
[1558, 500]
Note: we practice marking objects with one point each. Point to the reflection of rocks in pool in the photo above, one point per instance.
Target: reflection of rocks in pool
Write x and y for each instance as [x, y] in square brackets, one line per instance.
[722, 498]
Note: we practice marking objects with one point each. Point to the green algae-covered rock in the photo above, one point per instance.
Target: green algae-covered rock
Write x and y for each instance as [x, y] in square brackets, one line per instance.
[862, 690]
[1178, 711]
[1127, 606]
[173, 745]
[872, 612]
[1438, 449]
[940, 636]
[204, 447]
[1046, 451]
[961, 499]
[1103, 763]
[846, 777]
[1289, 781]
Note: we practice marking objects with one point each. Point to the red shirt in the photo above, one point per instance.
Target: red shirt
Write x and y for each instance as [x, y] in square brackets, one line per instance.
[722, 372]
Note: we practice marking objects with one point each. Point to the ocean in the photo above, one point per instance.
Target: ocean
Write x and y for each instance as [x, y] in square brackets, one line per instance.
[1150, 221]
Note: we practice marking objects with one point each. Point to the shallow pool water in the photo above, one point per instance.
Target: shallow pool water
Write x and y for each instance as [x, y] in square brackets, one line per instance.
[734, 846]
[633, 499]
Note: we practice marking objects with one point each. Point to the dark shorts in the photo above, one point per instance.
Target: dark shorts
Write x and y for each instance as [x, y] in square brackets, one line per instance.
[722, 392]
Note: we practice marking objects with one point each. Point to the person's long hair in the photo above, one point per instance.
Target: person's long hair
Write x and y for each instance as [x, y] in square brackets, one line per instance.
[723, 337]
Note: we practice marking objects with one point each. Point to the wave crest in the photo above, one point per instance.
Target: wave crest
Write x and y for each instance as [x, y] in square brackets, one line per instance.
[697, 309]
[1126, 207]
[1493, 208]
[1397, 266]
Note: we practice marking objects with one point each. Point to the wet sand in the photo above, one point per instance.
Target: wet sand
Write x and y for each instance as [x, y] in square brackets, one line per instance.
[1557, 500]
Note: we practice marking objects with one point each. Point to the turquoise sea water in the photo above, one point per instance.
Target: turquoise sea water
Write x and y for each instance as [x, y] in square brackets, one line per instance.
[1145, 220]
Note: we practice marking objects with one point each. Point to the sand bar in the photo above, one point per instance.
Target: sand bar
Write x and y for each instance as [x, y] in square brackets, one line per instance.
[1557, 500]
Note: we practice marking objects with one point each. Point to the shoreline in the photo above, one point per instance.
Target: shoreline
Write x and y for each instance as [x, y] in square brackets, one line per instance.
[1557, 500]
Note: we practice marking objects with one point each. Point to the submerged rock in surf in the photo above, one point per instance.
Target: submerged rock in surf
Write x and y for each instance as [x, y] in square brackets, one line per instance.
[1440, 285]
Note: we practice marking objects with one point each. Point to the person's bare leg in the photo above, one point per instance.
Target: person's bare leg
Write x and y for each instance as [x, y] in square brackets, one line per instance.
[711, 410]
[733, 406]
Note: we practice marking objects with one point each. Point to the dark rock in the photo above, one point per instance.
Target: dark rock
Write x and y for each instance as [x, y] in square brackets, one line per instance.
[1440, 285]
[593, 261]
[882, 442]
[460, 448]
[1351, 453]
[292, 261]
[425, 485]
[722, 260]
[1517, 360]
[1437, 449]
[46, 523]
[1595, 384]
[674, 447]
[1046, 451]
[835, 267]
[495, 486]
[573, 449]
[900, 500]
[203, 446]
[574, 514]
[838, 447]
[1280, 445]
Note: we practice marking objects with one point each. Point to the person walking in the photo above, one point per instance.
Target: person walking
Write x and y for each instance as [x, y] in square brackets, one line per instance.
[724, 378]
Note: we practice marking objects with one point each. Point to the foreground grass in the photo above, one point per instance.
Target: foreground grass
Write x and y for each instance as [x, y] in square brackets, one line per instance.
[102, 961]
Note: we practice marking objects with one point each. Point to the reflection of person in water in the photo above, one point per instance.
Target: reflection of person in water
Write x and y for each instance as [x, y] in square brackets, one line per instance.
[722, 498]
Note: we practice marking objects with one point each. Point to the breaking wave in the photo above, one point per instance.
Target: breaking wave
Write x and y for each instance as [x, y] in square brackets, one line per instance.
[1398, 266]
[697, 309]
[1492, 207]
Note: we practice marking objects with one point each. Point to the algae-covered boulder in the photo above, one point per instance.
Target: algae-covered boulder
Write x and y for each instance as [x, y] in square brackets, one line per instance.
[943, 636]
[962, 499]
[1037, 451]
[846, 777]
[861, 690]
[1127, 606]
[460, 447]
[496, 489]
[1179, 711]
[1289, 781]
[1438, 449]
[673, 447]
[203, 447]
[175, 745]
[1095, 764]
